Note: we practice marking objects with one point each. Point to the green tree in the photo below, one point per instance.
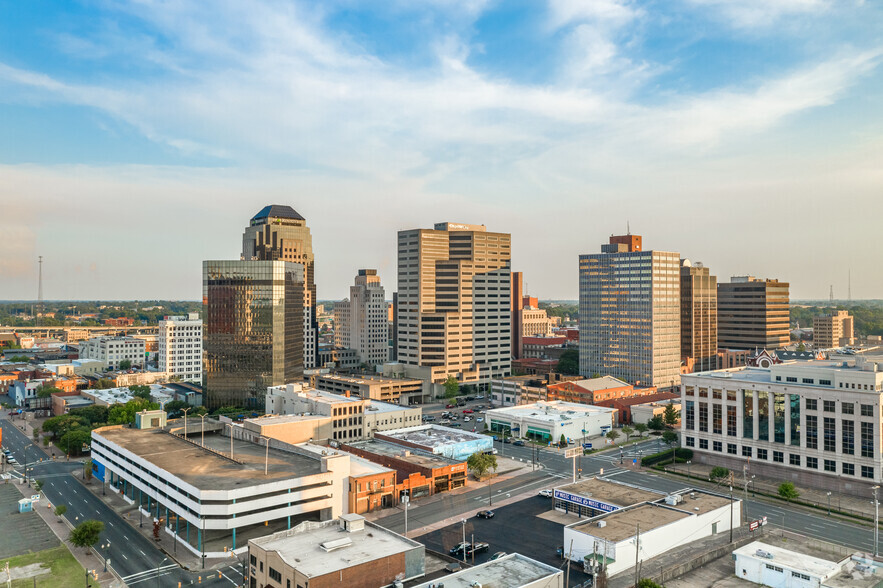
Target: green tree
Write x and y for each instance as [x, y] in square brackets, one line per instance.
[671, 416]
[656, 423]
[788, 491]
[104, 384]
[801, 347]
[38, 485]
[19, 359]
[47, 391]
[613, 435]
[670, 438]
[87, 533]
[59, 426]
[641, 428]
[628, 431]
[562, 442]
[648, 583]
[59, 511]
[73, 441]
[126, 364]
[718, 473]
[568, 363]
[175, 408]
[124, 414]
[452, 387]
[140, 391]
[94, 415]
[480, 463]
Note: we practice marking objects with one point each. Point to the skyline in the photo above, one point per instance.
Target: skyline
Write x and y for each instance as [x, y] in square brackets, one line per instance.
[141, 137]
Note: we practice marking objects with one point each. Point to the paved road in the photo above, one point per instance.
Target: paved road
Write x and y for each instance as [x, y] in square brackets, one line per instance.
[133, 556]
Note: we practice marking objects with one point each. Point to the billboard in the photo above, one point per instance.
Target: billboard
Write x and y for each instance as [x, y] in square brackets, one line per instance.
[587, 502]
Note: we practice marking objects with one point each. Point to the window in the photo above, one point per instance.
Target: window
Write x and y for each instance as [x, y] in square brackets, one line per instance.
[801, 576]
[691, 415]
[716, 419]
[779, 418]
[812, 463]
[746, 451]
[253, 560]
[794, 459]
[731, 421]
[812, 432]
[829, 406]
[717, 445]
[830, 465]
[748, 414]
[690, 391]
[825, 382]
[763, 416]
[774, 568]
[703, 392]
[703, 444]
[690, 441]
[849, 469]
[731, 448]
[867, 439]
[867, 410]
[778, 457]
[847, 437]
[274, 575]
[867, 472]
[762, 454]
[716, 394]
[847, 408]
[791, 379]
[830, 433]
[703, 416]
[731, 395]
[811, 404]
[808, 381]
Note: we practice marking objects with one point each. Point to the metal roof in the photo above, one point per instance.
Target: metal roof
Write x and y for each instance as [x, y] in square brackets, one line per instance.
[277, 211]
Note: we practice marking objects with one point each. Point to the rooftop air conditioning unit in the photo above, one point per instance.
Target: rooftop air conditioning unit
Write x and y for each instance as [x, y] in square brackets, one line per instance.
[763, 554]
[602, 524]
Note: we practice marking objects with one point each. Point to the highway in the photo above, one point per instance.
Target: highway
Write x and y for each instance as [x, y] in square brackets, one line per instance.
[132, 556]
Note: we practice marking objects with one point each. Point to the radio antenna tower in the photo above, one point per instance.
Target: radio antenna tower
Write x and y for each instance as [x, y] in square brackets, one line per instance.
[39, 289]
[831, 295]
[850, 285]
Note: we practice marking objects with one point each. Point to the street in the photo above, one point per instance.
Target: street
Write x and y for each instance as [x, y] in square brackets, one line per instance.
[133, 556]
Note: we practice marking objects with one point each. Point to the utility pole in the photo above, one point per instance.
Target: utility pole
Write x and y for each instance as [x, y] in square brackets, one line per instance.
[637, 551]
[745, 481]
[876, 519]
[569, 553]
[731, 513]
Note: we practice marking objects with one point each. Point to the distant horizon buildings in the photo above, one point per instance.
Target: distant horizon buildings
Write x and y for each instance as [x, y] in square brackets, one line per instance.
[833, 330]
[361, 322]
[753, 313]
[453, 303]
[629, 313]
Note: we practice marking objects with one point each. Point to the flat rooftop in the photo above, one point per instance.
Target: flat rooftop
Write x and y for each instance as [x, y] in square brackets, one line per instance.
[387, 449]
[123, 395]
[511, 571]
[301, 547]
[363, 380]
[622, 524]
[550, 411]
[282, 419]
[206, 470]
[433, 435]
[377, 406]
[611, 492]
[790, 559]
[359, 466]
[699, 502]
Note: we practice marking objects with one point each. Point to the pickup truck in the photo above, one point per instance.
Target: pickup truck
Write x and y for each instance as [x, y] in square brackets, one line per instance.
[477, 547]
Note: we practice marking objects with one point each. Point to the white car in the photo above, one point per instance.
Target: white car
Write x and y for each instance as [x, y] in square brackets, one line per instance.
[545, 493]
[466, 419]
[479, 420]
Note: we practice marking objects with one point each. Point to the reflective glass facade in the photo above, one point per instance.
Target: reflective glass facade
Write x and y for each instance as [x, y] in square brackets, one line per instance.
[253, 332]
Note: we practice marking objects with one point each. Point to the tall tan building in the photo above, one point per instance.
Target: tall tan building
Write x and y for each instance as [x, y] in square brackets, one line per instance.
[629, 313]
[361, 322]
[753, 314]
[698, 317]
[279, 233]
[516, 297]
[834, 330]
[454, 315]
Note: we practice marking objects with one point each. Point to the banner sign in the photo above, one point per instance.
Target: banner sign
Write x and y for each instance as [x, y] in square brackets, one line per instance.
[583, 501]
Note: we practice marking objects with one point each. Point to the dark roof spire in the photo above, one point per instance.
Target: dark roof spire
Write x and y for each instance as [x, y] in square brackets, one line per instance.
[277, 211]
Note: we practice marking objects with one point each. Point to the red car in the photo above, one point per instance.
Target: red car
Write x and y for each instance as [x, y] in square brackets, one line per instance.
[467, 411]
[446, 406]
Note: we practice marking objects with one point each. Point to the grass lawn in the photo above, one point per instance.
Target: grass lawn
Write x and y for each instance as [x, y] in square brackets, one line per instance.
[66, 570]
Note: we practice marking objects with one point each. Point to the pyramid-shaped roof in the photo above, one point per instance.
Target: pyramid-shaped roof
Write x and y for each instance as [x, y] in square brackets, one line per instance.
[277, 211]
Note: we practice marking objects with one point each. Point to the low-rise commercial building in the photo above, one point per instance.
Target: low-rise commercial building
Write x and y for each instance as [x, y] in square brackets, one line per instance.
[404, 391]
[115, 350]
[111, 396]
[641, 413]
[383, 416]
[292, 428]
[510, 571]
[371, 486]
[338, 358]
[510, 391]
[545, 347]
[771, 565]
[446, 442]
[594, 496]
[213, 499]
[349, 553]
[596, 390]
[548, 421]
[347, 411]
[625, 406]
[649, 529]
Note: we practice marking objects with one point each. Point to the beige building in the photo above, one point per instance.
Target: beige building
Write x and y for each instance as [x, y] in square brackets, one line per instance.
[454, 314]
[698, 317]
[179, 351]
[402, 391]
[535, 322]
[292, 428]
[753, 314]
[833, 330]
[361, 322]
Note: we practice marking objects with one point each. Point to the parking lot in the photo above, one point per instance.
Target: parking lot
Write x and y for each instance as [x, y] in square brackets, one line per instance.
[515, 528]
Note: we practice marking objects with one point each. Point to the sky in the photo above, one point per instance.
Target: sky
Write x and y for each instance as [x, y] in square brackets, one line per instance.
[137, 138]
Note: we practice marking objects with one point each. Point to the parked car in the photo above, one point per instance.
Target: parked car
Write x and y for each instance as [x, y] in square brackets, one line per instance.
[452, 567]
[444, 422]
[477, 548]
[545, 493]
[459, 548]
[479, 420]
[497, 555]
[455, 425]
[507, 440]
[518, 443]
[466, 419]
[468, 398]
[485, 514]
[468, 411]
[450, 406]
[11, 460]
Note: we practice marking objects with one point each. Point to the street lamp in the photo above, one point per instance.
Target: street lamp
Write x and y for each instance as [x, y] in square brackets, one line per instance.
[106, 548]
[463, 521]
[876, 519]
[202, 433]
[185, 411]
[829, 504]
[689, 463]
[165, 559]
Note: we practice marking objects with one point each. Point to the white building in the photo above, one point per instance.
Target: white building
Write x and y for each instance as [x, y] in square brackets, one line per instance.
[651, 528]
[111, 396]
[510, 571]
[816, 423]
[549, 420]
[383, 416]
[205, 495]
[361, 322]
[114, 350]
[179, 347]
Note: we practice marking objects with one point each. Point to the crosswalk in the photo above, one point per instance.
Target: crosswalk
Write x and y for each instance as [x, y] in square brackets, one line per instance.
[149, 574]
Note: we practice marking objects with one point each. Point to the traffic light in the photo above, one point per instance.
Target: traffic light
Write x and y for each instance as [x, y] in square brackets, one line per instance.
[220, 575]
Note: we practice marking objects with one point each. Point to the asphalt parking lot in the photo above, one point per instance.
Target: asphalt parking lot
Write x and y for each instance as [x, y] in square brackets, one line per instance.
[515, 528]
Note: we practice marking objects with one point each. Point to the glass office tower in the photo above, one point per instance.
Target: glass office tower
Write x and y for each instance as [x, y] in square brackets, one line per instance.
[253, 332]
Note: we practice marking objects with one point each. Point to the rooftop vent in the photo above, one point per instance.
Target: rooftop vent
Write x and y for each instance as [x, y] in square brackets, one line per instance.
[336, 544]
[602, 524]
[763, 554]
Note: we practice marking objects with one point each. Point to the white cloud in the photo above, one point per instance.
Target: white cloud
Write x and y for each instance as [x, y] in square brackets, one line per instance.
[761, 13]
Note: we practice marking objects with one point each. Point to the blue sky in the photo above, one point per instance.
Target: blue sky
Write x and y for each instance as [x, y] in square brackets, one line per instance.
[137, 138]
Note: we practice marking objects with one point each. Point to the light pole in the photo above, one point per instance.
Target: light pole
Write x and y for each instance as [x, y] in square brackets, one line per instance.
[165, 559]
[185, 411]
[876, 519]
[463, 522]
[202, 432]
[689, 463]
[106, 548]
[829, 504]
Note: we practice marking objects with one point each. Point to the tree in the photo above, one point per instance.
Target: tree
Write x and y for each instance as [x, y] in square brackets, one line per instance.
[175, 408]
[126, 364]
[38, 485]
[87, 470]
[670, 438]
[718, 473]
[648, 583]
[59, 426]
[671, 416]
[87, 533]
[612, 434]
[20, 359]
[73, 441]
[140, 391]
[480, 463]
[801, 347]
[95, 415]
[59, 511]
[104, 384]
[124, 414]
[562, 442]
[656, 423]
[568, 363]
[641, 428]
[788, 491]
[452, 387]
[628, 431]
[47, 391]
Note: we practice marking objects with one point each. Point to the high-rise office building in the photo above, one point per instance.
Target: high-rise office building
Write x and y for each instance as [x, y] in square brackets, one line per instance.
[361, 322]
[279, 233]
[253, 331]
[629, 313]
[752, 314]
[698, 317]
[179, 351]
[516, 304]
[453, 309]
[833, 330]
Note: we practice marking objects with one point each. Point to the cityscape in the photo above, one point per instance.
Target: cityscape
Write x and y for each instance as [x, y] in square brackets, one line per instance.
[442, 339]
